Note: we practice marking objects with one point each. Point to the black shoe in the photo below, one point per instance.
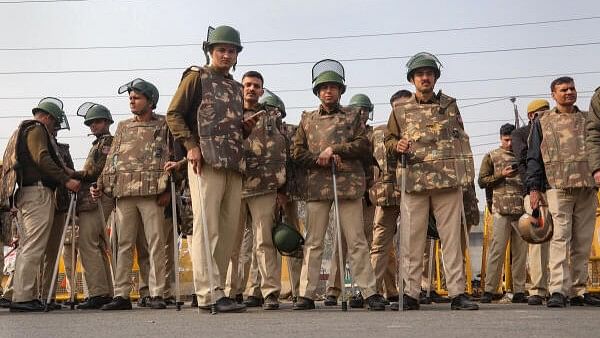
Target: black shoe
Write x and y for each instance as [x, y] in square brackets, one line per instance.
[462, 302]
[330, 301]
[118, 303]
[239, 298]
[423, 299]
[144, 301]
[409, 304]
[535, 300]
[30, 306]
[557, 300]
[586, 299]
[170, 301]
[519, 297]
[158, 303]
[4, 303]
[486, 298]
[376, 302]
[304, 304]
[271, 302]
[95, 302]
[226, 304]
[437, 298]
[358, 302]
[194, 302]
[53, 305]
[253, 301]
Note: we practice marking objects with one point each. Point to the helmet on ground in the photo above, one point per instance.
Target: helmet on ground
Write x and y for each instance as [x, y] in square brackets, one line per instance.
[328, 71]
[537, 227]
[287, 239]
[421, 60]
[270, 99]
[144, 87]
[91, 111]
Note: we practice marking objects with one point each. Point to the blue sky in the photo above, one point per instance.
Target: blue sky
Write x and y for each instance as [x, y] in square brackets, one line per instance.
[105, 23]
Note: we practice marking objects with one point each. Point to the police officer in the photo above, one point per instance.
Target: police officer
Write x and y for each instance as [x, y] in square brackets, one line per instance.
[93, 241]
[429, 130]
[134, 175]
[333, 133]
[499, 172]
[593, 135]
[206, 115]
[538, 253]
[34, 163]
[557, 156]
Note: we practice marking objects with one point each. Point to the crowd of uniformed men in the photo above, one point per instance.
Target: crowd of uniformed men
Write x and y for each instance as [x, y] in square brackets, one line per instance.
[224, 153]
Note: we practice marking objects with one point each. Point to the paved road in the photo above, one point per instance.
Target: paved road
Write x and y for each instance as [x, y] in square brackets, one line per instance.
[493, 320]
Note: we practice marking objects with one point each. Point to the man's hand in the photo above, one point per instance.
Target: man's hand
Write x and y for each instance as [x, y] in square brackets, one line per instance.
[534, 199]
[509, 172]
[281, 200]
[194, 156]
[171, 165]
[597, 177]
[73, 185]
[402, 146]
[163, 199]
[95, 192]
[251, 121]
[325, 157]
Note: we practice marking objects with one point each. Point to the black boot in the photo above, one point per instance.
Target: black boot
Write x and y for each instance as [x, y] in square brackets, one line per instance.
[519, 297]
[271, 302]
[118, 303]
[557, 300]
[29, 306]
[376, 302]
[462, 302]
[586, 299]
[304, 304]
[226, 304]
[94, 302]
[357, 301]
[158, 303]
[330, 301]
[409, 304]
[535, 300]
[253, 301]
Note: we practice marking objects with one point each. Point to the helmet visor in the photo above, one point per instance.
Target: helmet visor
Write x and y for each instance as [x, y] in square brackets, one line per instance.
[328, 65]
[83, 109]
[130, 85]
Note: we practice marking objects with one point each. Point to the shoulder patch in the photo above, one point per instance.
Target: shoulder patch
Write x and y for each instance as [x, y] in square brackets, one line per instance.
[191, 70]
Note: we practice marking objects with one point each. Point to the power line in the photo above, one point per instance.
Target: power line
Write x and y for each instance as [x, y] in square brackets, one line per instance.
[333, 37]
[39, 1]
[303, 62]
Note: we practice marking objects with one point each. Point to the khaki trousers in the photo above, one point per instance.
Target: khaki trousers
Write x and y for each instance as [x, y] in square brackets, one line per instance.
[36, 204]
[446, 205]
[51, 253]
[504, 229]
[383, 258]
[135, 214]
[538, 262]
[218, 194]
[574, 216]
[93, 244]
[352, 228]
[170, 258]
[268, 262]
[241, 260]
[143, 256]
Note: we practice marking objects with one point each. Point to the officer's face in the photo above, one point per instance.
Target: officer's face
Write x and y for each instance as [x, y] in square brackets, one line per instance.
[329, 93]
[253, 89]
[506, 142]
[138, 103]
[424, 80]
[99, 126]
[565, 94]
[223, 56]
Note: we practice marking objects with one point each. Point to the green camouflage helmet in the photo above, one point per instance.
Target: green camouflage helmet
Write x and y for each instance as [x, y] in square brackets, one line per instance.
[328, 77]
[144, 87]
[91, 111]
[287, 239]
[362, 101]
[52, 106]
[421, 60]
[223, 34]
[270, 99]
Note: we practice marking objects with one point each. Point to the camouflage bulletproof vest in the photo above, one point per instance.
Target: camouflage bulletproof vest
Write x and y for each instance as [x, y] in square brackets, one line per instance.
[383, 193]
[295, 175]
[470, 204]
[220, 120]
[321, 132]
[563, 150]
[134, 165]
[265, 153]
[61, 194]
[507, 198]
[97, 153]
[15, 156]
[441, 154]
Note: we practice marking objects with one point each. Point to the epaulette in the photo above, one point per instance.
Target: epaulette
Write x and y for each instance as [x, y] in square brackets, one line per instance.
[191, 69]
[445, 100]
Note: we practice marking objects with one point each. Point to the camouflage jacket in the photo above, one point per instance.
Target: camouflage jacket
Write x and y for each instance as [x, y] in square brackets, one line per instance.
[383, 192]
[295, 175]
[92, 168]
[593, 132]
[265, 152]
[135, 162]
[440, 155]
[507, 197]
[557, 151]
[207, 111]
[345, 134]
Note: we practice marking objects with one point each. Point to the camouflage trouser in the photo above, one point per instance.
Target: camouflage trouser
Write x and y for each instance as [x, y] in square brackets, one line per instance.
[573, 214]
[537, 261]
[351, 222]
